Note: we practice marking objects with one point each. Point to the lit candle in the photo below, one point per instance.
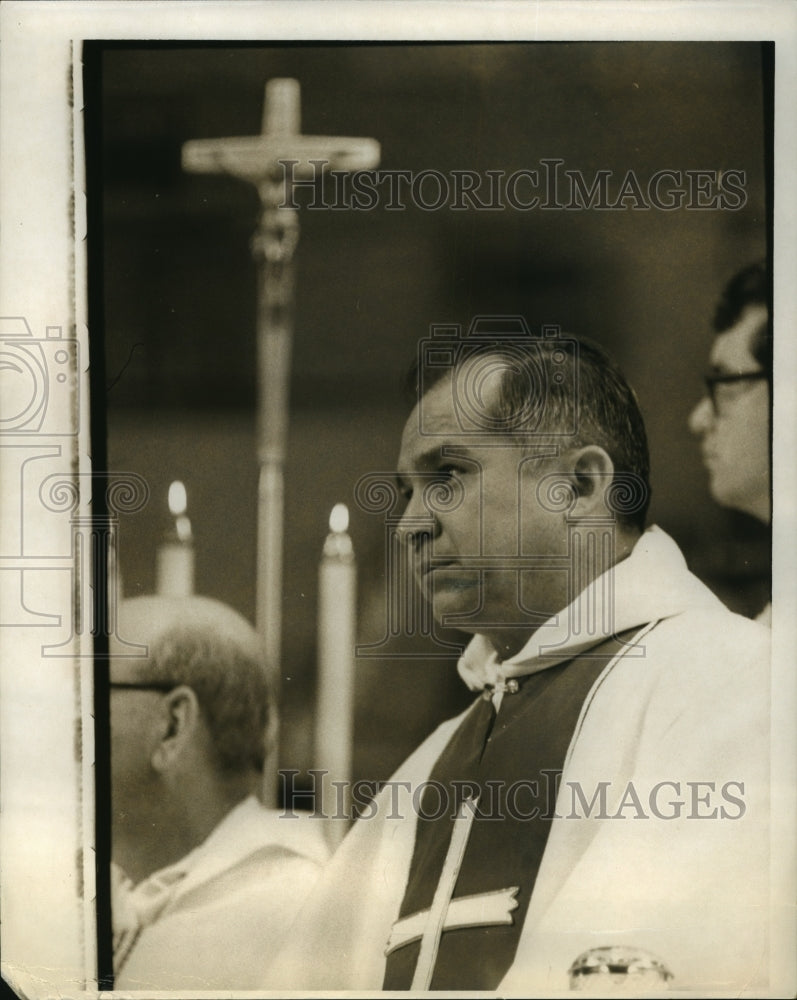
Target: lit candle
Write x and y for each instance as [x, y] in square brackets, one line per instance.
[176, 553]
[337, 588]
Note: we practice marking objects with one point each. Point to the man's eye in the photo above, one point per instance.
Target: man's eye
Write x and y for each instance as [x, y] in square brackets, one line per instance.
[447, 471]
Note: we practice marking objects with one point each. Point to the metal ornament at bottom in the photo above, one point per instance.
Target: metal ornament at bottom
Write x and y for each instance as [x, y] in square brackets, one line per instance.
[622, 970]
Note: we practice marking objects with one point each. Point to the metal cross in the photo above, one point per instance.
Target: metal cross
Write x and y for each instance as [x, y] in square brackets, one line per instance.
[259, 161]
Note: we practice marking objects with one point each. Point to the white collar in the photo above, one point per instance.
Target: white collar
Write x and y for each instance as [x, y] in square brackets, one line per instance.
[652, 583]
[248, 827]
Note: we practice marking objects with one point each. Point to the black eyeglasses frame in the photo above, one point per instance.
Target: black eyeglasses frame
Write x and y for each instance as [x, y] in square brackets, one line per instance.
[144, 685]
[713, 379]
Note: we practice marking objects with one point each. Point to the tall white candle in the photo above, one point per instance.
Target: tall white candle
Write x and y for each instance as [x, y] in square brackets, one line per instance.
[337, 595]
[175, 569]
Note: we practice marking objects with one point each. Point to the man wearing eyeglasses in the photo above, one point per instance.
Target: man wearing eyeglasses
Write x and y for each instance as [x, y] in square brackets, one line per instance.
[733, 419]
[205, 879]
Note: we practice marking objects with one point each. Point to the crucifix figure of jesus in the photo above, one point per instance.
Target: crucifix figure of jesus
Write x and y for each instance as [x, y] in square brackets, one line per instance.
[263, 160]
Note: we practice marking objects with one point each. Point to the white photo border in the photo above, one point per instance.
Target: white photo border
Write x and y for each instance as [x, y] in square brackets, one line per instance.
[46, 711]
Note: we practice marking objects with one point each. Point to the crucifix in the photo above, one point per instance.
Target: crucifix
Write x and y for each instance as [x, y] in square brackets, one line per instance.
[263, 160]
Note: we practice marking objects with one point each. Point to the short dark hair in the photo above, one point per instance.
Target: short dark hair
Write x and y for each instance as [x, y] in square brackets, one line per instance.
[588, 394]
[748, 287]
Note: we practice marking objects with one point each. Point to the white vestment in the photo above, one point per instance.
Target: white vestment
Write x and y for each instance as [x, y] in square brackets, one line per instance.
[681, 718]
[211, 920]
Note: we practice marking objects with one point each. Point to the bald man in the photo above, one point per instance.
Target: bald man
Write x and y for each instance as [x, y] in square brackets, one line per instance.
[205, 879]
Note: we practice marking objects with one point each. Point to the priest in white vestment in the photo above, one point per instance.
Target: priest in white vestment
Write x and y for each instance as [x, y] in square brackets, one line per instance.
[205, 879]
[607, 792]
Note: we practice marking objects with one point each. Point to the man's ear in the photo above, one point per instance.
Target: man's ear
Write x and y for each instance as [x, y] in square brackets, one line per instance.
[180, 720]
[592, 472]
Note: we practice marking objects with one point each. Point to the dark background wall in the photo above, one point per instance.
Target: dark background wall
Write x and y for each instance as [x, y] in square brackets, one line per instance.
[179, 299]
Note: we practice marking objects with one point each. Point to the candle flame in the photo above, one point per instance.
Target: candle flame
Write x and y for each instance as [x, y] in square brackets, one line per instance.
[339, 518]
[178, 500]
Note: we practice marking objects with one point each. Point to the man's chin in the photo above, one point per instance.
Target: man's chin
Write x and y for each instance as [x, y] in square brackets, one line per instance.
[718, 488]
[730, 496]
[452, 593]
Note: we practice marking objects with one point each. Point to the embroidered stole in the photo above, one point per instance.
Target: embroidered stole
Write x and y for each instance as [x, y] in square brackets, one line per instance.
[499, 775]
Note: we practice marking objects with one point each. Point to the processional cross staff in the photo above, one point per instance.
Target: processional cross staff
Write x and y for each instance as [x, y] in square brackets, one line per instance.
[263, 160]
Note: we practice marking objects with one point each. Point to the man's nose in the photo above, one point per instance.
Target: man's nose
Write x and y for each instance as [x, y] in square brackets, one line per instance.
[417, 524]
[701, 418]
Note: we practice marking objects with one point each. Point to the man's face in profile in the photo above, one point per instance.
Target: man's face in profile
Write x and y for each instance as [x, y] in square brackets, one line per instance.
[734, 427]
[134, 719]
[471, 498]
